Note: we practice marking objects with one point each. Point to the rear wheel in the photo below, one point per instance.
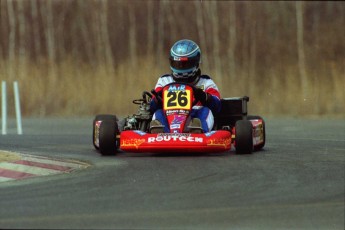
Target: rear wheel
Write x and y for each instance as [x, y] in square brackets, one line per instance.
[107, 137]
[244, 137]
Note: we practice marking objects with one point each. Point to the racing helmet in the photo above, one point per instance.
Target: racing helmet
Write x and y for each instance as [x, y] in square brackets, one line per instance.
[185, 56]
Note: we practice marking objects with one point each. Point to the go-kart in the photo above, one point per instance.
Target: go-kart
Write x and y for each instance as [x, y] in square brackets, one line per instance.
[132, 134]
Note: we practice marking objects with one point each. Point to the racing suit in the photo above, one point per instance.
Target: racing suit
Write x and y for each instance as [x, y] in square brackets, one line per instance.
[203, 112]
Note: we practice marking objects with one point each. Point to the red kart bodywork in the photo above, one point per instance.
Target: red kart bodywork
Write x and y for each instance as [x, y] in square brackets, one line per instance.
[178, 101]
[233, 127]
[138, 141]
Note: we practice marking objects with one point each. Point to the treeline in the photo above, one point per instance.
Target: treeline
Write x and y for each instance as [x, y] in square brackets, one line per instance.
[263, 46]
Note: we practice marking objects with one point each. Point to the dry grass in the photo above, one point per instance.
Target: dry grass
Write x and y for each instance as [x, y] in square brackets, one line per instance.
[74, 89]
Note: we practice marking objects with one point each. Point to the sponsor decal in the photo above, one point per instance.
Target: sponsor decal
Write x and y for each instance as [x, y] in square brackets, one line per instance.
[96, 133]
[174, 134]
[173, 111]
[219, 142]
[208, 134]
[141, 133]
[176, 126]
[180, 58]
[177, 111]
[258, 130]
[177, 121]
[174, 88]
[132, 143]
[183, 112]
[259, 134]
[167, 137]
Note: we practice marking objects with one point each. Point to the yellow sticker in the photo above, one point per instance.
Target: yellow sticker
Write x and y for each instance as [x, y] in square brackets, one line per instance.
[177, 99]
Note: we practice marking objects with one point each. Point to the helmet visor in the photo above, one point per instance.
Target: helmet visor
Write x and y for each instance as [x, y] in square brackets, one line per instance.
[184, 63]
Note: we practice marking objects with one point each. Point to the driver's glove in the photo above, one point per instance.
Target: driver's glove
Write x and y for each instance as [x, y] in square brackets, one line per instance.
[156, 102]
[201, 96]
[158, 97]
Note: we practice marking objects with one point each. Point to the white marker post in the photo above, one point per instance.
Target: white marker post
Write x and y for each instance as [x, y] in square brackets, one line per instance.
[17, 107]
[4, 107]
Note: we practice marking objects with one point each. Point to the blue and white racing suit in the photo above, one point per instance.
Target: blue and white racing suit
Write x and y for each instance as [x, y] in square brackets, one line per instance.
[203, 112]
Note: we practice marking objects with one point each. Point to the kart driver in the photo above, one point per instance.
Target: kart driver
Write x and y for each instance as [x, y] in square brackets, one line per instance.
[185, 58]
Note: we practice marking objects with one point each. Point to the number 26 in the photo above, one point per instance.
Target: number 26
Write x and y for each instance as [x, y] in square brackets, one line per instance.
[177, 98]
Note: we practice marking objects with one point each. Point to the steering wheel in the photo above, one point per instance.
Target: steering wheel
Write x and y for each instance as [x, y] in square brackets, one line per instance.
[145, 96]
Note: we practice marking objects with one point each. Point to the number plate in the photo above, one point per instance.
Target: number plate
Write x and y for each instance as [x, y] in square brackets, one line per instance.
[177, 99]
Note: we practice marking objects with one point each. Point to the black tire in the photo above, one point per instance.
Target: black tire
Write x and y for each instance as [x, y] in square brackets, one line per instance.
[255, 117]
[107, 137]
[101, 117]
[244, 137]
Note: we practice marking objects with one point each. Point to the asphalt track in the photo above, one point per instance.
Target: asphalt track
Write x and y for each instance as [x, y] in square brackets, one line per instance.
[297, 182]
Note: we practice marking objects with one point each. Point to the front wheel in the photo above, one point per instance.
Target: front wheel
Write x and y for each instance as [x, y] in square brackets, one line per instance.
[95, 125]
[107, 137]
[243, 137]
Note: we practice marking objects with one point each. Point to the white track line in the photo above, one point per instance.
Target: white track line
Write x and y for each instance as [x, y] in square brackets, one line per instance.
[28, 169]
[4, 179]
[53, 161]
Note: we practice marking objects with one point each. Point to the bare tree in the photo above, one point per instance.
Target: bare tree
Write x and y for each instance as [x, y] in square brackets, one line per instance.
[132, 37]
[232, 40]
[150, 27]
[60, 30]
[48, 25]
[35, 27]
[171, 20]
[245, 39]
[316, 38]
[86, 34]
[12, 38]
[3, 28]
[216, 42]
[106, 38]
[300, 48]
[161, 22]
[252, 35]
[47, 10]
[22, 30]
[97, 33]
[201, 32]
